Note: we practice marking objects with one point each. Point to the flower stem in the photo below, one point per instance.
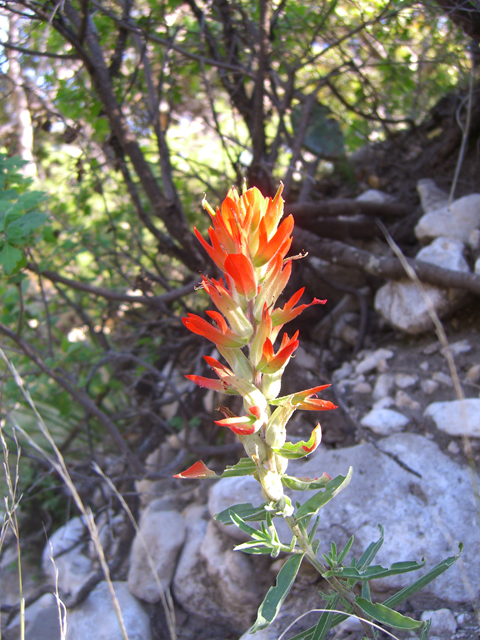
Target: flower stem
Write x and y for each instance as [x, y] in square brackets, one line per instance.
[335, 583]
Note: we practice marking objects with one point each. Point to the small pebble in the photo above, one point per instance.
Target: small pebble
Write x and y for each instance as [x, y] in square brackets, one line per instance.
[340, 374]
[405, 380]
[370, 363]
[363, 387]
[473, 374]
[383, 385]
[439, 376]
[305, 360]
[453, 448]
[461, 619]
[432, 348]
[384, 403]
[429, 386]
[462, 346]
[404, 401]
[384, 421]
[443, 622]
[424, 366]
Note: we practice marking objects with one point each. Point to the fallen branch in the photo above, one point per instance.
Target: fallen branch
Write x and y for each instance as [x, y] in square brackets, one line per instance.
[344, 207]
[387, 268]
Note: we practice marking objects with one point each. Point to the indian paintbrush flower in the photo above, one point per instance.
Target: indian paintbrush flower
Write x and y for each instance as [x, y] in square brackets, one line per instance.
[249, 244]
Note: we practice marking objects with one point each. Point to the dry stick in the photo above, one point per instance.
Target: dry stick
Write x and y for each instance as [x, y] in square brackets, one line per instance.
[442, 337]
[387, 268]
[58, 463]
[83, 399]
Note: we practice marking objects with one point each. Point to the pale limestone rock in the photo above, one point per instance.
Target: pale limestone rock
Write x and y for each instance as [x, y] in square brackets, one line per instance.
[384, 422]
[405, 380]
[161, 535]
[211, 580]
[370, 363]
[443, 378]
[401, 302]
[363, 387]
[457, 417]
[456, 222]
[343, 372]
[374, 195]
[41, 620]
[97, 618]
[384, 403]
[431, 196]
[422, 516]
[443, 622]
[429, 386]
[69, 548]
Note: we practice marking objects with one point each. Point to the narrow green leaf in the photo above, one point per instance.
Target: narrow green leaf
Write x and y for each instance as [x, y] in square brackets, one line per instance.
[325, 623]
[246, 511]
[276, 595]
[253, 533]
[388, 616]
[409, 591]
[371, 551]
[311, 506]
[376, 571]
[244, 467]
[345, 550]
[426, 630]
[253, 548]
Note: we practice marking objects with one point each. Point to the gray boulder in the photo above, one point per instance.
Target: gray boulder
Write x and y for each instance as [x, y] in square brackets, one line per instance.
[422, 516]
[41, 621]
[156, 546]
[213, 581]
[68, 547]
[96, 616]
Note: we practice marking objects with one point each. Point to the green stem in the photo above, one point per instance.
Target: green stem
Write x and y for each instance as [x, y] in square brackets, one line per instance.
[334, 582]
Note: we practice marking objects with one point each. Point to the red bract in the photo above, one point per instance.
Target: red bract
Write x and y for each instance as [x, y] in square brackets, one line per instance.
[281, 316]
[223, 336]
